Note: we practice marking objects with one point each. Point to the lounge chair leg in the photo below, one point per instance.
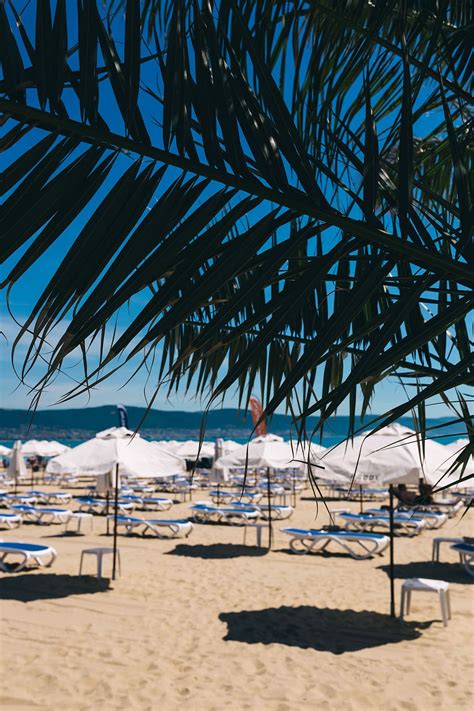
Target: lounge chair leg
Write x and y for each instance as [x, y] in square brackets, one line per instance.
[408, 601]
[402, 603]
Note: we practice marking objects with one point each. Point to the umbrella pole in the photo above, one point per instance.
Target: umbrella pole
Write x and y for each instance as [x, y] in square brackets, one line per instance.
[361, 500]
[114, 563]
[269, 511]
[107, 500]
[294, 489]
[392, 575]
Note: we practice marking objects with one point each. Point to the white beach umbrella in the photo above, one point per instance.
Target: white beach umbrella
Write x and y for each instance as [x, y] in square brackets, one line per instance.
[268, 451]
[391, 455]
[116, 433]
[457, 446]
[17, 467]
[228, 446]
[43, 448]
[134, 456]
[192, 449]
[4, 451]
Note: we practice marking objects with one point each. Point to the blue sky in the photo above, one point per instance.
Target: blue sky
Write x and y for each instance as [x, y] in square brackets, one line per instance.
[14, 394]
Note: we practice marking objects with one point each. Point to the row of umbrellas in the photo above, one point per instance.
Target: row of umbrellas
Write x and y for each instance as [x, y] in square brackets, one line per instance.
[393, 454]
[37, 448]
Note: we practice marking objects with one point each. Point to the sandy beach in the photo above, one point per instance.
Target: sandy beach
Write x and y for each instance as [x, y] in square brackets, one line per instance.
[205, 623]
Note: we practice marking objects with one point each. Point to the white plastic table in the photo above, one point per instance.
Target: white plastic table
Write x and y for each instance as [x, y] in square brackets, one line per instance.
[79, 517]
[439, 587]
[258, 531]
[99, 553]
[437, 543]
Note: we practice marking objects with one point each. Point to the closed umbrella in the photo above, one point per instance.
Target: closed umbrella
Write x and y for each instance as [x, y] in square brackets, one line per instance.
[17, 467]
[218, 473]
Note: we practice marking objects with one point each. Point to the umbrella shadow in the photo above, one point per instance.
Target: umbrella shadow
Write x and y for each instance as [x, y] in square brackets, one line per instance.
[321, 629]
[449, 572]
[49, 586]
[217, 551]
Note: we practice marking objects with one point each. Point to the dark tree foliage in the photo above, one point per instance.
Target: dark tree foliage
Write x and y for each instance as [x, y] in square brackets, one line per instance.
[288, 181]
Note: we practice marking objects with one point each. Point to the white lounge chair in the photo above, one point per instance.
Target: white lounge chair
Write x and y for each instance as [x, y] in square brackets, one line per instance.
[223, 514]
[10, 520]
[42, 514]
[99, 506]
[466, 552]
[359, 545]
[450, 507]
[230, 497]
[29, 553]
[159, 527]
[278, 512]
[26, 499]
[432, 519]
[156, 503]
[410, 526]
[51, 497]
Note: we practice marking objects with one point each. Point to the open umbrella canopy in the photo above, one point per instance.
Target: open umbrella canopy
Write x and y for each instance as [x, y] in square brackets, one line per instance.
[457, 446]
[17, 467]
[192, 449]
[266, 451]
[394, 454]
[135, 457]
[5, 451]
[43, 448]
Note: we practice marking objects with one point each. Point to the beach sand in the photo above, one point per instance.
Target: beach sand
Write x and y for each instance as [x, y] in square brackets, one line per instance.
[205, 623]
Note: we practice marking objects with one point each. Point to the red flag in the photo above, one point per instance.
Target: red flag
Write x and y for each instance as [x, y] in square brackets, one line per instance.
[257, 411]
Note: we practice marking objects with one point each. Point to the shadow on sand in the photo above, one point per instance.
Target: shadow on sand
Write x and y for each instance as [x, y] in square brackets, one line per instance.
[321, 629]
[49, 586]
[217, 551]
[450, 572]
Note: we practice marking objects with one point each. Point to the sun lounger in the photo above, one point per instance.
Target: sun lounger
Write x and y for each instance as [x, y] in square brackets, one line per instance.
[410, 526]
[358, 545]
[51, 497]
[432, 519]
[156, 503]
[161, 528]
[29, 553]
[278, 513]
[227, 497]
[466, 552]
[26, 499]
[99, 506]
[42, 514]
[10, 520]
[448, 506]
[223, 514]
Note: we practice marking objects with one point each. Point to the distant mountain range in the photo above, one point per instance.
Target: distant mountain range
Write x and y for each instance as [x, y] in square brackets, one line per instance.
[82, 423]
